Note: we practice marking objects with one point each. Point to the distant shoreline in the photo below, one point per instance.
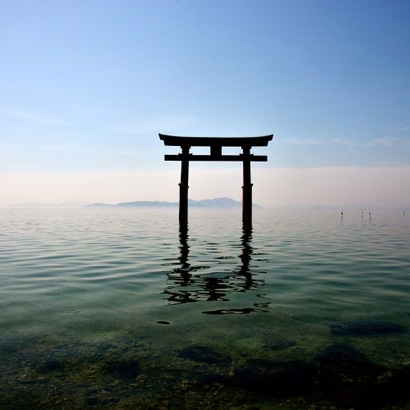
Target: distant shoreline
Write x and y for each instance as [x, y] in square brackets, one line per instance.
[204, 204]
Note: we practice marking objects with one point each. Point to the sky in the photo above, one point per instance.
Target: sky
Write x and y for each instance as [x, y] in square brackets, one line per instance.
[87, 85]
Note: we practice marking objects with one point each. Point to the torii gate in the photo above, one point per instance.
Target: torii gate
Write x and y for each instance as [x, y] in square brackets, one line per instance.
[216, 145]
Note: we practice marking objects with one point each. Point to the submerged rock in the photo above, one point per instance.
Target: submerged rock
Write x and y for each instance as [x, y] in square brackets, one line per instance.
[274, 378]
[348, 377]
[365, 327]
[122, 368]
[51, 366]
[342, 353]
[340, 375]
[204, 354]
[281, 345]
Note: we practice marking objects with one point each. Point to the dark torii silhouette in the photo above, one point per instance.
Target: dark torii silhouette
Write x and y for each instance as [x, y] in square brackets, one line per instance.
[216, 144]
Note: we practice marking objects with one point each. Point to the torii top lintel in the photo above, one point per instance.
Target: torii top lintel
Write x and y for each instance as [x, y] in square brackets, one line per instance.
[215, 144]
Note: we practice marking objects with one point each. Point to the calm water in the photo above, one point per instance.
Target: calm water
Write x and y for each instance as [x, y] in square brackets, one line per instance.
[111, 308]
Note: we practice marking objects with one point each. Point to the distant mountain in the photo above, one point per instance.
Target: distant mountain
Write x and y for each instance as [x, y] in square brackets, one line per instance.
[215, 203]
[134, 204]
[99, 205]
[141, 204]
[204, 203]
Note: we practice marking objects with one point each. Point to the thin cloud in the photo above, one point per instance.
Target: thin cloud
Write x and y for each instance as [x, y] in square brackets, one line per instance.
[86, 149]
[390, 141]
[165, 123]
[377, 142]
[398, 137]
[406, 128]
[51, 148]
[32, 117]
[349, 143]
[198, 89]
[305, 141]
[129, 153]
[401, 134]
[385, 142]
[58, 148]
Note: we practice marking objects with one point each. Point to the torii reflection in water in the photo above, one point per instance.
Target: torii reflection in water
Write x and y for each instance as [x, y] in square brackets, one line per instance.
[187, 284]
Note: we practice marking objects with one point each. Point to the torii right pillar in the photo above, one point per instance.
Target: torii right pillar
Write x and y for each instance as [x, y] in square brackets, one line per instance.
[246, 188]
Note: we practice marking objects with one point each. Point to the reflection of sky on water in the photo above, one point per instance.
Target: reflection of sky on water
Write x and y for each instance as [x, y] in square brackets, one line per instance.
[187, 284]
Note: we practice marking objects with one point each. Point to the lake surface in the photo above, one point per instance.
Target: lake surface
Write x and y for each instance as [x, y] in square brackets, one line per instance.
[118, 309]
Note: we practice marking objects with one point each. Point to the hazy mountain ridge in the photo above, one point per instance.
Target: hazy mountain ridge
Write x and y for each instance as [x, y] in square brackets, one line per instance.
[204, 203]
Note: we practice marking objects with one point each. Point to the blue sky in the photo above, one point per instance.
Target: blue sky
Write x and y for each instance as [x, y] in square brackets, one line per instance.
[87, 85]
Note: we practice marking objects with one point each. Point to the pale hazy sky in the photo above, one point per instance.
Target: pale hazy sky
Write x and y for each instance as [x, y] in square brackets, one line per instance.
[86, 85]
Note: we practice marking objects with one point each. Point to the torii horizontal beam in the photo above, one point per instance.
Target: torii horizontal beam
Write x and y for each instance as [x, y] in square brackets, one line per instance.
[215, 141]
[213, 157]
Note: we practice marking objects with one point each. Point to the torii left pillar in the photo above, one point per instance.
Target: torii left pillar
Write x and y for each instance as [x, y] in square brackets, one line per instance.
[183, 187]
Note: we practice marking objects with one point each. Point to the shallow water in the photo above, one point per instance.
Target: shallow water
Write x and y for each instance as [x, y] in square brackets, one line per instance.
[117, 308]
